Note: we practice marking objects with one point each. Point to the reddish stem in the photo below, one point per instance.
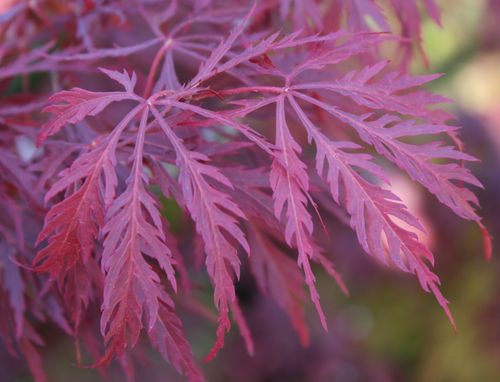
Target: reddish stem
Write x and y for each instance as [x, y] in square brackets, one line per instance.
[154, 67]
[259, 89]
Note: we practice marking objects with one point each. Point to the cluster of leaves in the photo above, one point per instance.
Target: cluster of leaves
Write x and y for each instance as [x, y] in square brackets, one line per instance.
[256, 118]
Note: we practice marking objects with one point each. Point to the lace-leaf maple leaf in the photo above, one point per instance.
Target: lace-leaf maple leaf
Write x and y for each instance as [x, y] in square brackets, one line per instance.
[372, 208]
[72, 225]
[393, 92]
[218, 81]
[418, 161]
[74, 105]
[207, 67]
[168, 338]
[133, 230]
[290, 184]
[213, 212]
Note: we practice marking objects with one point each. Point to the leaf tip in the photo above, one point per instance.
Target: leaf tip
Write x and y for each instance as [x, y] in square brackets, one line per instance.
[488, 251]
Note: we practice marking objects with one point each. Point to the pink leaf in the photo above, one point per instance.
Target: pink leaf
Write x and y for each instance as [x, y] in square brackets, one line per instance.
[290, 185]
[372, 209]
[168, 338]
[133, 230]
[73, 106]
[207, 206]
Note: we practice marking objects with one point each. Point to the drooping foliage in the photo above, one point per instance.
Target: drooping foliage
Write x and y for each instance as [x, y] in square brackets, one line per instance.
[239, 112]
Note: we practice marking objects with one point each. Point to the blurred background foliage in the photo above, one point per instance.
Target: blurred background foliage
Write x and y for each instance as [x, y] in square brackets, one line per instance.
[388, 329]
